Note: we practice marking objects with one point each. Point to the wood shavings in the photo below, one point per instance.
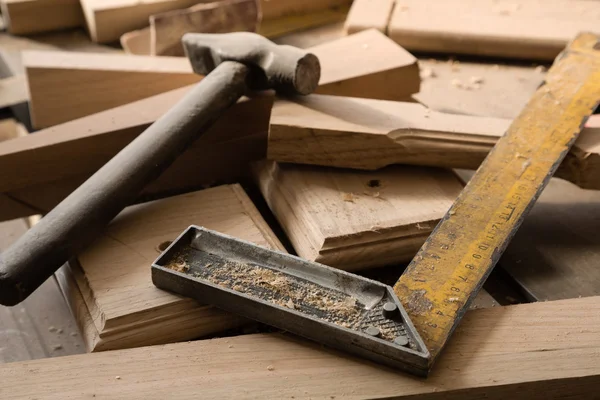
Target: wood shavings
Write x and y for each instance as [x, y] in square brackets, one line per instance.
[454, 65]
[457, 83]
[57, 347]
[178, 264]
[349, 197]
[51, 329]
[427, 73]
[270, 368]
[476, 80]
[540, 69]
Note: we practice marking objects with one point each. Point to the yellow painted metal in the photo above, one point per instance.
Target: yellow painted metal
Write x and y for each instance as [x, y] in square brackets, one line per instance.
[439, 284]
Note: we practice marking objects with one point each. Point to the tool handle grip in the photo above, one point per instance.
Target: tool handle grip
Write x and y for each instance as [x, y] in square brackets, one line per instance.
[78, 219]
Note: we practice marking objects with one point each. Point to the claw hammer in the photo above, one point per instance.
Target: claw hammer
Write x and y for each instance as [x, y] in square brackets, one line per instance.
[233, 64]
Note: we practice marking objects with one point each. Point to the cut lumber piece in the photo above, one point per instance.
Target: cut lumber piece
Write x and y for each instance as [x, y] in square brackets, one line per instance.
[367, 14]
[137, 42]
[13, 91]
[108, 20]
[356, 219]
[26, 17]
[273, 9]
[67, 85]
[114, 278]
[504, 28]
[167, 29]
[367, 64]
[498, 353]
[369, 134]
[40, 170]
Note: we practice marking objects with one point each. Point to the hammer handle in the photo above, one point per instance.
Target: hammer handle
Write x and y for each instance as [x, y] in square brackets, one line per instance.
[77, 220]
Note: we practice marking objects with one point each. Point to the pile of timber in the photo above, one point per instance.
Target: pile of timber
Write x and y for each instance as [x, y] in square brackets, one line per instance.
[356, 176]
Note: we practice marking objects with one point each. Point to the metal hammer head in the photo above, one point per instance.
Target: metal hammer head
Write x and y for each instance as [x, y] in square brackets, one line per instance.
[286, 69]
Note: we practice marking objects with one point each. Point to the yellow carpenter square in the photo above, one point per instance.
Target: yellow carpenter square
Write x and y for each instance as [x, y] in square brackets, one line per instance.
[450, 268]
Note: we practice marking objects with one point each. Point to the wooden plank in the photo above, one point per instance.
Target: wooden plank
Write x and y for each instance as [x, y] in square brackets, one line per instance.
[13, 91]
[368, 65]
[368, 14]
[492, 28]
[357, 219]
[114, 280]
[277, 27]
[67, 85]
[369, 134]
[496, 353]
[108, 20]
[26, 17]
[50, 164]
[167, 29]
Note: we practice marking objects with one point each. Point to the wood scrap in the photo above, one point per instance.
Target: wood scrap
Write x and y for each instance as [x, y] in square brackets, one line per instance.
[496, 353]
[367, 64]
[369, 134]
[137, 42]
[67, 85]
[279, 26]
[112, 275]
[107, 21]
[503, 28]
[356, 219]
[11, 129]
[26, 17]
[167, 29]
[38, 171]
[13, 91]
[367, 14]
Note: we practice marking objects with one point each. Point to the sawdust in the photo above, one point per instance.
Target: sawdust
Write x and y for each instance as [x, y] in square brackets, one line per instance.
[178, 264]
[278, 288]
[427, 73]
[349, 197]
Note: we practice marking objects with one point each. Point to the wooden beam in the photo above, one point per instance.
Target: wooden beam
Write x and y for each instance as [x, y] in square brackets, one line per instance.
[167, 29]
[67, 85]
[496, 353]
[356, 219]
[112, 275]
[370, 134]
[26, 17]
[502, 29]
[52, 162]
[367, 14]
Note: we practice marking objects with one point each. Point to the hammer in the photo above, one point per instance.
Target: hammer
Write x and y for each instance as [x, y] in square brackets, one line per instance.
[233, 64]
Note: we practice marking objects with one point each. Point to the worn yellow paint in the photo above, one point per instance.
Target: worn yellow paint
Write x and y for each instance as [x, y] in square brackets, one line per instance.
[450, 268]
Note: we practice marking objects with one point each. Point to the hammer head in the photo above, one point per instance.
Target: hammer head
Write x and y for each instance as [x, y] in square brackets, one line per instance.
[286, 69]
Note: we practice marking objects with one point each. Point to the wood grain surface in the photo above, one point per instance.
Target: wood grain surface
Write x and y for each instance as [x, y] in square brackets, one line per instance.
[356, 219]
[498, 353]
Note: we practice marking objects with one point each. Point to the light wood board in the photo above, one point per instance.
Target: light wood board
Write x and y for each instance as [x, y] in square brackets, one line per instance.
[167, 29]
[532, 351]
[528, 29]
[67, 85]
[356, 219]
[38, 171]
[113, 275]
[369, 134]
[367, 64]
[26, 17]
[108, 20]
